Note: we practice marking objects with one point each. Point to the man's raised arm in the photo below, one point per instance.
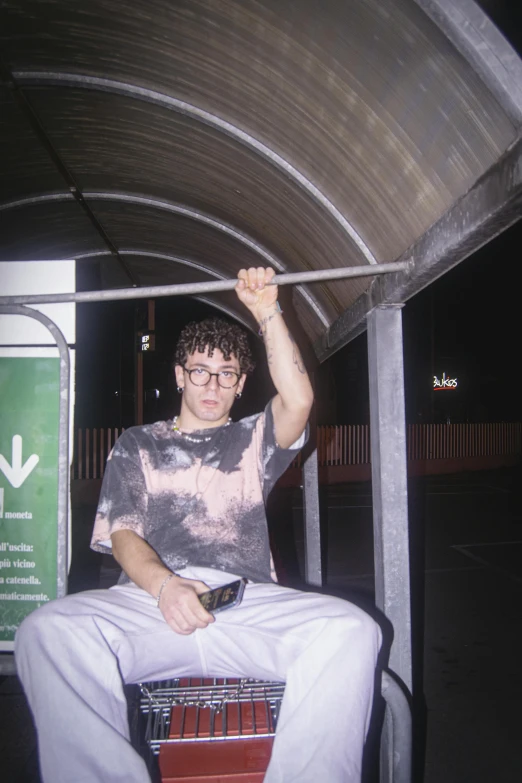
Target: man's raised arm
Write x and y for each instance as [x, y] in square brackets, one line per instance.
[292, 405]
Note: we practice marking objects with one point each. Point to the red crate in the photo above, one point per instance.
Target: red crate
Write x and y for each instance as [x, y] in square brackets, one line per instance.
[238, 751]
[216, 761]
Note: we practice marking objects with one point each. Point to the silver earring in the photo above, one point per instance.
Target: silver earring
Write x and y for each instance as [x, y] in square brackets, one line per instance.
[238, 395]
[180, 389]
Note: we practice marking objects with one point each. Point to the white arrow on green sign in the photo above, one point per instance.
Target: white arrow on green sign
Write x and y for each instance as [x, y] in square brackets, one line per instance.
[29, 408]
[16, 473]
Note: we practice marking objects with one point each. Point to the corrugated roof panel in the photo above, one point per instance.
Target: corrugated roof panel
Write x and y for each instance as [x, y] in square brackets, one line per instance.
[25, 166]
[53, 230]
[332, 133]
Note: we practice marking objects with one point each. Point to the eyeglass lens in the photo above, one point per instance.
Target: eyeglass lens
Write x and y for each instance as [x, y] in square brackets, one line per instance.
[200, 377]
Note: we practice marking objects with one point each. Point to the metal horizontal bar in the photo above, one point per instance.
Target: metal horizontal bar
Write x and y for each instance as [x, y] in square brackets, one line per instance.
[216, 738]
[156, 689]
[163, 700]
[189, 212]
[188, 289]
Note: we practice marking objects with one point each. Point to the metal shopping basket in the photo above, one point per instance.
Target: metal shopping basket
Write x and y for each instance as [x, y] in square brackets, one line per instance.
[211, 729]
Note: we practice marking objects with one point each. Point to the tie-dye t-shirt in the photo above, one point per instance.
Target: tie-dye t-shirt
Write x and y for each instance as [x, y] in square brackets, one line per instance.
[197, 504]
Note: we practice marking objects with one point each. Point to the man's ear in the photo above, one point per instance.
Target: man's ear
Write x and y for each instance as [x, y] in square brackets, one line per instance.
[180, 379]
[242, 380]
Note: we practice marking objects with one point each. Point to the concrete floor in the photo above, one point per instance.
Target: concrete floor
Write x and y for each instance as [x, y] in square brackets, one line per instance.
[466, 547]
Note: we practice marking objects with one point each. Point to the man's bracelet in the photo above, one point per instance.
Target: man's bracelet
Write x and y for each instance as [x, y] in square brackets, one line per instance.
[163, 585]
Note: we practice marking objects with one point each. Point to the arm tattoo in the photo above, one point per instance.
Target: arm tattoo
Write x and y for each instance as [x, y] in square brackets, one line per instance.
[296, 357]
[298, 361]
[263, 331]
[269, 348]
[263, 322]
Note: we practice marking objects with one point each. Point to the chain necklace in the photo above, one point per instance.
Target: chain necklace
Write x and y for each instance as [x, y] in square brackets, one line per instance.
[182, 434]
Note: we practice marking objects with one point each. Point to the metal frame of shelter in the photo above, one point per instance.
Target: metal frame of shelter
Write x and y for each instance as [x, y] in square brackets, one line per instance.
[492, 204]
[389, 486]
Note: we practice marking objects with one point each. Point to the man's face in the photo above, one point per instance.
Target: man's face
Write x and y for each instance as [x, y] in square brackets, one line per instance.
[209, 405]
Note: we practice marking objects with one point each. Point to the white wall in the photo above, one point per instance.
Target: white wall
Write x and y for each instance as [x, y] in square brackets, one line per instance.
[38, 277]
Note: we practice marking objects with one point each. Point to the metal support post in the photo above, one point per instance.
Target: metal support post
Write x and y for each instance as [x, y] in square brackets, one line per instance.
[311, 505]
[389, 481]
[312, 521]
[390, 510]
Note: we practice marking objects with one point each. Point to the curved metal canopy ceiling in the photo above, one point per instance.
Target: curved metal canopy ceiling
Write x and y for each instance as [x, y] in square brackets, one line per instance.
[182, 140]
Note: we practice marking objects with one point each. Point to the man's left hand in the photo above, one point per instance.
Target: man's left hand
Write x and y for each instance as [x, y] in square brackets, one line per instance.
[254, 291]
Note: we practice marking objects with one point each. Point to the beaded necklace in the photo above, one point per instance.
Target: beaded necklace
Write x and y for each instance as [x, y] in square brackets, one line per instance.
[188, 437]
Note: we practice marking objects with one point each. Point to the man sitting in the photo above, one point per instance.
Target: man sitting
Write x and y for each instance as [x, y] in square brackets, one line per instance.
[183, 508]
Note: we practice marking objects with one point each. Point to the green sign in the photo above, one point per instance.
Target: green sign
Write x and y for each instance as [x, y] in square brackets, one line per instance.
[29, 420]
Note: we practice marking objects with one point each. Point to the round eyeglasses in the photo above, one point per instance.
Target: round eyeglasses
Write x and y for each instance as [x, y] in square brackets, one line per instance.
[200, 377]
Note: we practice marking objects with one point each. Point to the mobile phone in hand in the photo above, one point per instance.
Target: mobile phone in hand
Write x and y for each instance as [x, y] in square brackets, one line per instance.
[224, 597]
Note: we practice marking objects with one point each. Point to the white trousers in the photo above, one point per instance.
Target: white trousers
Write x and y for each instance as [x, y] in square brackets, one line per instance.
[74, 654]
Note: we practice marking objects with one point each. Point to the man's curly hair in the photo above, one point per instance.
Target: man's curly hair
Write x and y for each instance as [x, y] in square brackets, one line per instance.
[215, 333]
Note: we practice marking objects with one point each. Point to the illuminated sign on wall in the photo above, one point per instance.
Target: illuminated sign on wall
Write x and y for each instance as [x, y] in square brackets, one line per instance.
[147, 342]
[444, 383]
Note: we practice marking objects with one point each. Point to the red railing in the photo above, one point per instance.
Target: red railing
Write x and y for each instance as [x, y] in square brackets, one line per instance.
[347, 444]
[91, 449]
[447, 441]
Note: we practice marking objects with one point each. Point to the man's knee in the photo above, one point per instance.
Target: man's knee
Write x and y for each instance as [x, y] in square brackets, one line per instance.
[51, 622]
[352, 622]
[369, 630]
[34, 626]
